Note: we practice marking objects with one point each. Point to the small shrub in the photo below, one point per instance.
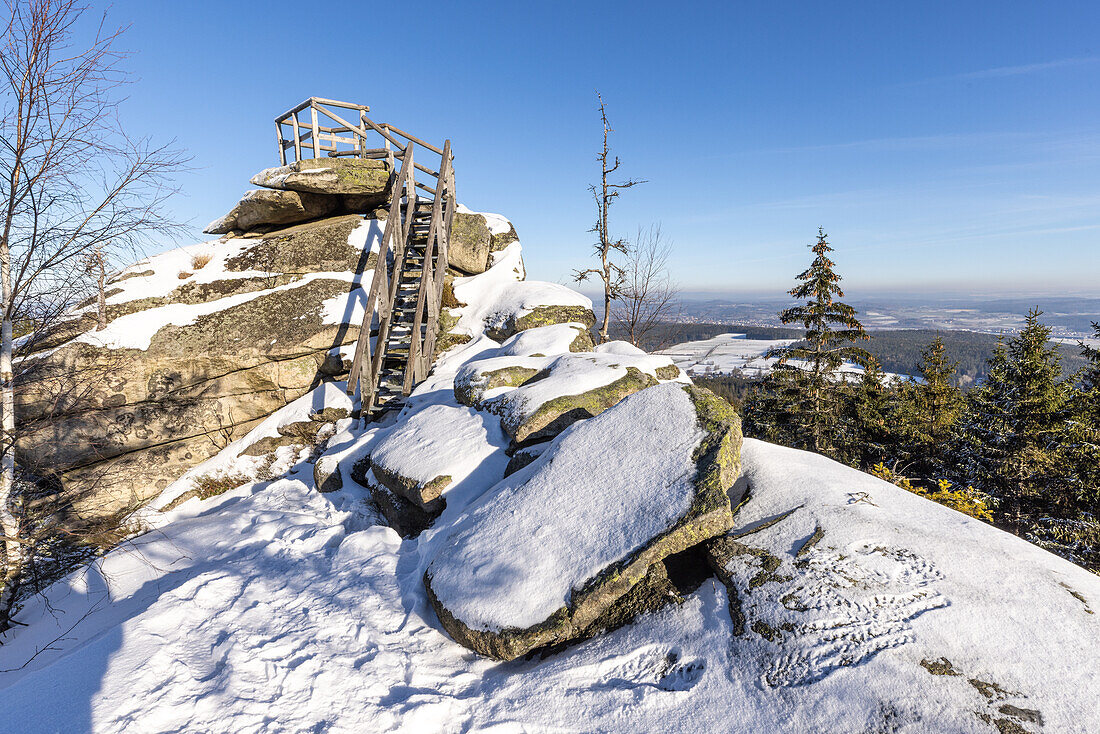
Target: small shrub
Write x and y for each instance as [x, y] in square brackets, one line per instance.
[211, 485]
[968, 501]
[184, 275]
[198, 262]
[1075, 540]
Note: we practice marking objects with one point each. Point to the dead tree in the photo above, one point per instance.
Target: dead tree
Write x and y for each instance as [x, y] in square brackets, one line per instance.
[609, 273]
[647, 300]
[71, 181]
[97, 268]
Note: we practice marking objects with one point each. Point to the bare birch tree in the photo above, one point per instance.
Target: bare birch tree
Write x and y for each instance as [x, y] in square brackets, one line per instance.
[647, 300]
[609, 273]
[71, 182]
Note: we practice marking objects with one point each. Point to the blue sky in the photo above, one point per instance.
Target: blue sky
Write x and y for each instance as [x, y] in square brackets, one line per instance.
[947, 146]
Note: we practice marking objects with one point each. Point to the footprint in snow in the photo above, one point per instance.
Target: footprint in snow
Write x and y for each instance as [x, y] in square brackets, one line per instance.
[653, 667]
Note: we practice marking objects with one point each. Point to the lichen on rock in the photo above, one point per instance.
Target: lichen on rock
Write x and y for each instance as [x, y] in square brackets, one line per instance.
[666, 492]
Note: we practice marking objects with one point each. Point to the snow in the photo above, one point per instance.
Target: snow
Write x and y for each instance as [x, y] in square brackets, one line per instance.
[552, 339]
[733, 353]
[604, 489]
[496, 295]
[726, 353]
[442, 440]
[136, 330]
[275, 608]
[564, 374]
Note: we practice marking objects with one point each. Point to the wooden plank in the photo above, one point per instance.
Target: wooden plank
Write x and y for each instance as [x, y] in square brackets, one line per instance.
[427, 170]
[282, 148]
[336, 103]
[297, 137]
[418, 141]
[313, 120]
[293, 111]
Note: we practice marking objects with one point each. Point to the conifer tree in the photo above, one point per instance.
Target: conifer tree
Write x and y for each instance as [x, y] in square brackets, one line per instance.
[808, 393]
[866, 432]
[935, 405]
[978, 448]
[1016, 431]
[1084, 438]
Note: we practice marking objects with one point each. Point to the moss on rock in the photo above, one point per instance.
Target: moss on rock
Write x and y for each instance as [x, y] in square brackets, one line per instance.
[594, 604]
[557, 414]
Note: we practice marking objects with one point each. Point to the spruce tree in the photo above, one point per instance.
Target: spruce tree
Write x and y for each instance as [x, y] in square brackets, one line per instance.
[1084, 438]
[936, 404]
[866, 433]
[808, 393]
[1017, 427]
[978, 447]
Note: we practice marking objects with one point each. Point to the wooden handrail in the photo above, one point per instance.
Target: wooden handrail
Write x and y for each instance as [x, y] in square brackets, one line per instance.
[423, 283]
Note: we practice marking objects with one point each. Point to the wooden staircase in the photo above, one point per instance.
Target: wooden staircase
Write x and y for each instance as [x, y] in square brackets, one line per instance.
[397, 337]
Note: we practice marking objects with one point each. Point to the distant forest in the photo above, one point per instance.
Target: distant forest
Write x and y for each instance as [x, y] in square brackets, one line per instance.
[897, 350]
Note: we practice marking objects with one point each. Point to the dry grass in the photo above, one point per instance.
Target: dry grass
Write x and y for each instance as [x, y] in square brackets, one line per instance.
[211, 485]
[198, 262]
[184, 275]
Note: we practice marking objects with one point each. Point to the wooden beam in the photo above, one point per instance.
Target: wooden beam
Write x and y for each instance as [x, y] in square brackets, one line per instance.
[297, 137]
[313, 120]
[282, 148]
[418, 141]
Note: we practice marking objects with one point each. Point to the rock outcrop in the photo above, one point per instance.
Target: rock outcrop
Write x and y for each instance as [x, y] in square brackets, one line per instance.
[553, 547]
[307, 190]
[539, 397]
[202, 343]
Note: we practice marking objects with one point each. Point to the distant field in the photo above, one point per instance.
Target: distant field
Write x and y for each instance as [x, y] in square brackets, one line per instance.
[897, 350]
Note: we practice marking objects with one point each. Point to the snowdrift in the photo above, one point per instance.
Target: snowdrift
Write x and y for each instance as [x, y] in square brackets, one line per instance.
[826, 600]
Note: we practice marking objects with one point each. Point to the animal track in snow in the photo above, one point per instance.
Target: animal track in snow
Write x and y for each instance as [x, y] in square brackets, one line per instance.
[830, 609]
[661, 668]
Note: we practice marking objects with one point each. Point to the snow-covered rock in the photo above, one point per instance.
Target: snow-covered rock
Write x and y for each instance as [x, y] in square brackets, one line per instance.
[543, 555]
[539, 397]
[436, 448]
[201, 344]
[285, 603]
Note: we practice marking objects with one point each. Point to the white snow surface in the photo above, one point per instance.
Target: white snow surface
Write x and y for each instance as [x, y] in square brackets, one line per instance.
[274, 608]
[733, 353]
[136, 330]
[443, 440]
[496, 295]
[604, 489]
[564, 374]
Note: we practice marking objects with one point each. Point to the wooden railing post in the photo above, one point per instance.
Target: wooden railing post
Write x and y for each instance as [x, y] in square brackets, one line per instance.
[316, 131]
[279, 137]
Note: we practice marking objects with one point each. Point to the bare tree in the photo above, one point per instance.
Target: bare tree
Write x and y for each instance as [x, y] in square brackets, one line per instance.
[605, 194]
[72, 182]
[647, 300]
[96, 267]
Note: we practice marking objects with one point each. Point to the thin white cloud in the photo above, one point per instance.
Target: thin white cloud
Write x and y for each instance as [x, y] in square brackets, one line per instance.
[1001, 71]
[998, 72]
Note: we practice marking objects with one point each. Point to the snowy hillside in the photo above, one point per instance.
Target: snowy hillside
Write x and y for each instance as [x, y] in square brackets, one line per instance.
[837, 602]
[733, 353]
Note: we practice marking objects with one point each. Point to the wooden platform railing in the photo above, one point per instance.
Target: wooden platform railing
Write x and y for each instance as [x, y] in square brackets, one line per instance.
[414, 227]
[342, 137]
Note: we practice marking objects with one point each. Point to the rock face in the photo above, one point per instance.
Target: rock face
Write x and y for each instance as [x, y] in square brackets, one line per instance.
[356, 176]
[474, 236]
[307, 190]
[468, 248]
[551, 549]
[186, 366]
[539, 397]
[263, 208]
